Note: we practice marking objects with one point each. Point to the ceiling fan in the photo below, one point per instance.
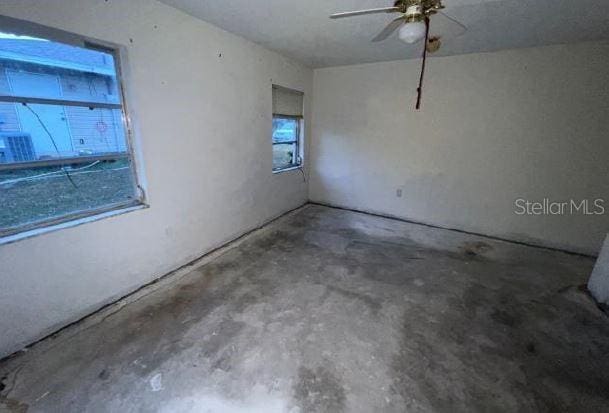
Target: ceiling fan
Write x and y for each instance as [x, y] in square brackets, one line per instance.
[414, 25]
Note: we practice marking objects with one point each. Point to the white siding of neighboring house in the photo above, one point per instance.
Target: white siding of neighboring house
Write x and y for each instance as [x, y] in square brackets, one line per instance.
[95, 130]
[90, 131]
[47, 124]
[4, 86]
[9, 121]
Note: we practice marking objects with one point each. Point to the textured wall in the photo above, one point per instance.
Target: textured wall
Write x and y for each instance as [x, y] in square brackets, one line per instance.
[495, 127]
[202, 103]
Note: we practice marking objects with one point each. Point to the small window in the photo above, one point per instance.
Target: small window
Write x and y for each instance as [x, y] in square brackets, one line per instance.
[64, 149]
[287, 128]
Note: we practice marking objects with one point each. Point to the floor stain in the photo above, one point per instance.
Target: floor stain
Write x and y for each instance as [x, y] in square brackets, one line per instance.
[319, 391]
[12, 406]
[475, 249]
[104, 375]
[443, 359]
[373, 304]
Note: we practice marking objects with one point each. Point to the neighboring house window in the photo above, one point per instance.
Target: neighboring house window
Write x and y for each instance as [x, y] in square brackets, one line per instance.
[64, 147]
[287, 128]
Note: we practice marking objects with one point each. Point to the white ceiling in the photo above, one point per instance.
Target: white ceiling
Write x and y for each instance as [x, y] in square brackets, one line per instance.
[302, 30]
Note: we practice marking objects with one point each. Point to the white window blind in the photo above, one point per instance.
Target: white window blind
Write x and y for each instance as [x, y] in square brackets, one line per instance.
[287, 102]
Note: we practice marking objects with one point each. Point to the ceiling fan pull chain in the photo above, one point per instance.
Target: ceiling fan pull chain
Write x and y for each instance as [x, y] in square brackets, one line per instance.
[420, 88]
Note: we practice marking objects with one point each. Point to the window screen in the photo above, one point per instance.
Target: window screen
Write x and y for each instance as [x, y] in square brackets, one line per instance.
[287, 128]
[64, 151]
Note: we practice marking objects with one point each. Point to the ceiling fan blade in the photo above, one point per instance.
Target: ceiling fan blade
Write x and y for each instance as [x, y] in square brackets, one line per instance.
[389, 29]
[362, 12]
[446, 27]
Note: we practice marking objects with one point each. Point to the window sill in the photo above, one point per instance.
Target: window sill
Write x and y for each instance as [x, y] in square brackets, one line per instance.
[95, 216]
[291, 168]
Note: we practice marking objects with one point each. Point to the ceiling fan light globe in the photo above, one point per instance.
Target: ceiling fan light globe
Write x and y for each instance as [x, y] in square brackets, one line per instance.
[412, 32]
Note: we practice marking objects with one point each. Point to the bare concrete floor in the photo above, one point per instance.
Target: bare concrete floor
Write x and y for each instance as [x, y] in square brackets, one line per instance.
[331, 311]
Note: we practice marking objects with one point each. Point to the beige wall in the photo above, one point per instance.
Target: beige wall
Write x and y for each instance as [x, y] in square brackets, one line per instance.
[495, 127]
[204, 126]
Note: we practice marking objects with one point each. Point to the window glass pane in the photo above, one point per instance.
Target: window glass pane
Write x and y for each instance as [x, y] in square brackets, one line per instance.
[35, 132]
[284, 155]
[31, 67]
[285, 142]
[32, 195]
[285, 130]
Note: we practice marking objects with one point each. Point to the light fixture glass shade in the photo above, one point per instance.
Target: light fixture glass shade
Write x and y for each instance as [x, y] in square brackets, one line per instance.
[412, 32]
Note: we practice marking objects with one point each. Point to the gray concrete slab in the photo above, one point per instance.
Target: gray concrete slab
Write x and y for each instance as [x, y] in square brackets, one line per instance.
[332, 311]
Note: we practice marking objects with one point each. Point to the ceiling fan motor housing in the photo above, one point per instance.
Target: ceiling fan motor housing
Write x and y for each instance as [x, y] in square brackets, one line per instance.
[416, 10]
[414, 13]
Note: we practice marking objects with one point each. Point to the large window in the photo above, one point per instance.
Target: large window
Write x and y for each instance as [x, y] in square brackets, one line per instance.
[287, 128]
[64, 148]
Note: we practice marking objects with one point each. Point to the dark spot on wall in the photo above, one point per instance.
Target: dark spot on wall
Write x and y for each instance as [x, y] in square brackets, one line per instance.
[130, 40]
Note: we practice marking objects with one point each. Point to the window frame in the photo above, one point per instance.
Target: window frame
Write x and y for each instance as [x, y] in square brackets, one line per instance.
[299, 120]
[133, 155]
